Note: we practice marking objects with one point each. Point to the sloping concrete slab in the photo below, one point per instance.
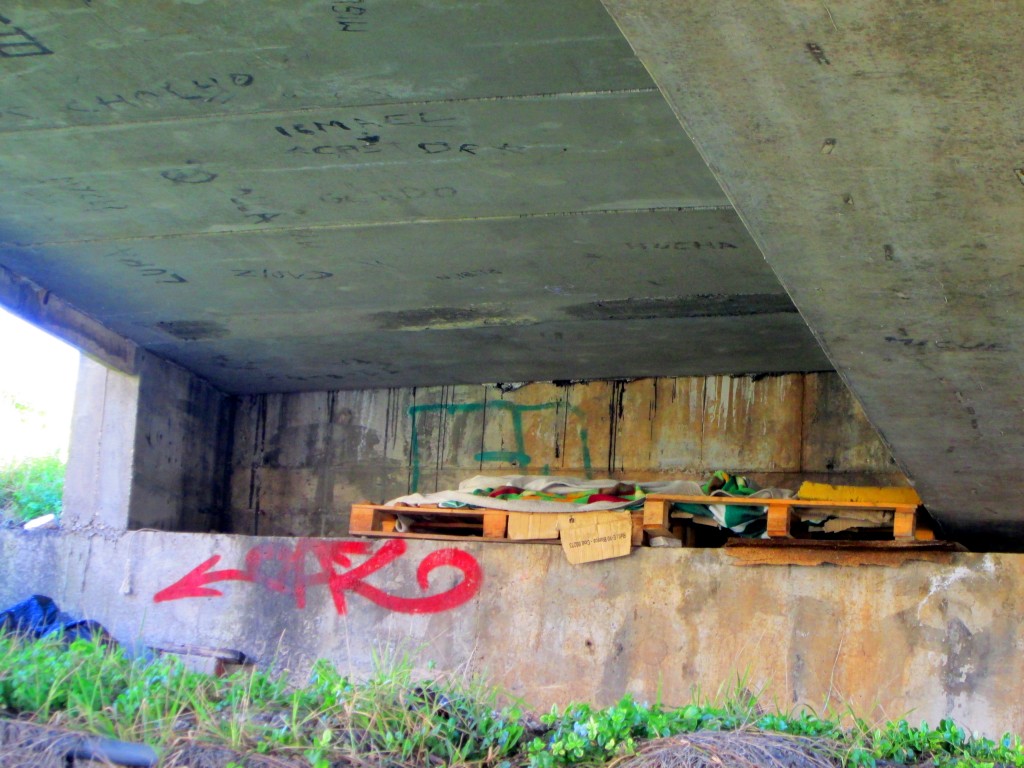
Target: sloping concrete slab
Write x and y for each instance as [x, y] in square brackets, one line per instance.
[874, 150]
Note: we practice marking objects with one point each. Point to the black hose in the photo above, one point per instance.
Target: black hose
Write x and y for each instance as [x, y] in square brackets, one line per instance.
[110, 750]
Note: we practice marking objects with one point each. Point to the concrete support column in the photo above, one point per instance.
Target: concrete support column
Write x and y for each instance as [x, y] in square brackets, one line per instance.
[182, 450]
[147, 451]
[97, 488]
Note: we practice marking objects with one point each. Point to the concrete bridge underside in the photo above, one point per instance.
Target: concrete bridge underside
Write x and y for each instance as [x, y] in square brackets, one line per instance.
[318, 196]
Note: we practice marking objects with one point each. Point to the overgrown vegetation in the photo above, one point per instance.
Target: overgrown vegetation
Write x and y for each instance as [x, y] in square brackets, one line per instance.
[396, 719]
[31, 488]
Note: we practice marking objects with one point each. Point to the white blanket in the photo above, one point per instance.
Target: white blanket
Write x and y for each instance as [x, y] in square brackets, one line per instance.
[544, 484]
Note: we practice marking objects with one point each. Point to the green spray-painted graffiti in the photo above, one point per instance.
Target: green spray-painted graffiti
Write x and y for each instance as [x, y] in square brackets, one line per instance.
[518, 457]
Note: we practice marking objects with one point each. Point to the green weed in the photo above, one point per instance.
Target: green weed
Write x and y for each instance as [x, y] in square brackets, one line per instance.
[397, 717]
[32, 488]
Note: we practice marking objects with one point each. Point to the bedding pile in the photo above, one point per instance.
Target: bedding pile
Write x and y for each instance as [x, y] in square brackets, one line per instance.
[546, 494]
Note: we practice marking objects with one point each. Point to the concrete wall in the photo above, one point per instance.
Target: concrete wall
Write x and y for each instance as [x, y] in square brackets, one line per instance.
[300, 460]
[924, 640]
[162, 448]
[182, 448]
[937, 638]
[149, 450]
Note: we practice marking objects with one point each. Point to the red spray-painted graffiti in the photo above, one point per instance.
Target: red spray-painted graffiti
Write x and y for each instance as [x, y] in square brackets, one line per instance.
[282, 568]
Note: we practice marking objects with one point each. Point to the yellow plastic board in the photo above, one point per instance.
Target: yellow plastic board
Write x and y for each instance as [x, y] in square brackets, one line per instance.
[865, 494]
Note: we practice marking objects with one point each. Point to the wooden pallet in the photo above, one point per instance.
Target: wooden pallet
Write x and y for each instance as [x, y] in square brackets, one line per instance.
[814, 552]
[905, 522]
[428, 522]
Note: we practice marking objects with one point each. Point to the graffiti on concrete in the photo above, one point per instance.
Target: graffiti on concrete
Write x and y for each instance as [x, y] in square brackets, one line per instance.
[518, 457]
[282, 568]
[18, 42]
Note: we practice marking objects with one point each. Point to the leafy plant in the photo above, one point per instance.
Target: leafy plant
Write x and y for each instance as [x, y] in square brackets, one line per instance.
[397, 717]
[32, 487]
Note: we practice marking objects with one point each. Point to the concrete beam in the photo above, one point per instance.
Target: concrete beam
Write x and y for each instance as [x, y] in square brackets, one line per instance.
[53, 314]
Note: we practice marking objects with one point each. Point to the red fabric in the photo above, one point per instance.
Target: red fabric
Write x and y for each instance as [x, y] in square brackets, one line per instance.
[605, 497]
[503, 490]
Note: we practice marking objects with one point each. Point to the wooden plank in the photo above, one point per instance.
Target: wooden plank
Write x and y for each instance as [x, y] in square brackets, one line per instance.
[637, 523]
[845, 553]
[494, 524]
[368, 519]
[764, 502]
[904, 523]
[656, 517]
[446, 537]
[689, 535]
[221, 654]
[779, 519]
[445, 523]
[656, 513]
[361, 518]
[924, 530]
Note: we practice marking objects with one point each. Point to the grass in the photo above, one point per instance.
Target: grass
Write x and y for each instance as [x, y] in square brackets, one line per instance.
[31, 488]
[397, 719]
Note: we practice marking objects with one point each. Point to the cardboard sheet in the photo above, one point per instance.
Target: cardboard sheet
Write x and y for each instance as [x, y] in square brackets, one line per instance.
[586, 541]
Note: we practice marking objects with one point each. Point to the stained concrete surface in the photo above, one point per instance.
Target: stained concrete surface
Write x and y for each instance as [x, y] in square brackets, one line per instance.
[300, 460]
[868, 148]
[164, 449]
[316, 196]
[873, 150]
[181, 448]
[923, 640]
[935, 638]
[100, 470]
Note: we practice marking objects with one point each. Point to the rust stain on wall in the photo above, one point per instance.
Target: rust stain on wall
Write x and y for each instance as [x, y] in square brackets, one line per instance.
[306, 457]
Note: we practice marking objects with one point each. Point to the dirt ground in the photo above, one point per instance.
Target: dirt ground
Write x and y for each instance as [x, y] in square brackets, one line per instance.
[27, 745]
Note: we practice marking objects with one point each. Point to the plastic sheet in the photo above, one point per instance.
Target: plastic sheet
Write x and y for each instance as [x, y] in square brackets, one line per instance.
[39, 616]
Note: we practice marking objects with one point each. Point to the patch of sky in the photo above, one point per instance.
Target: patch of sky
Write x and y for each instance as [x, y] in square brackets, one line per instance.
[38, 374]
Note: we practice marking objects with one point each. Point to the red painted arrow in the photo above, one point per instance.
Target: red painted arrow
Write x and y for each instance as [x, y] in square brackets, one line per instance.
[191, 584]
[289, 574]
